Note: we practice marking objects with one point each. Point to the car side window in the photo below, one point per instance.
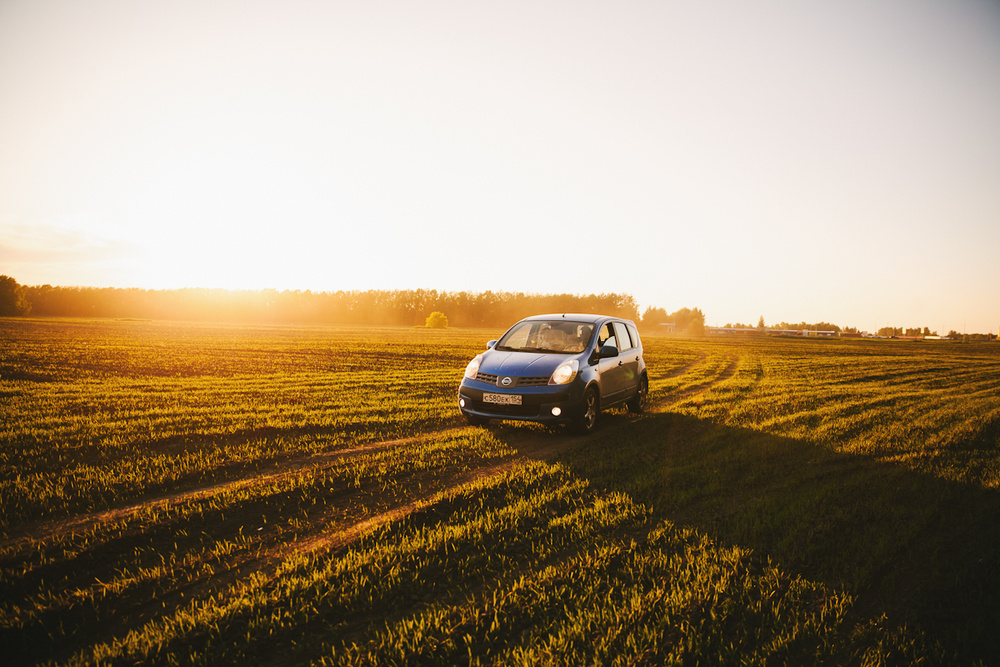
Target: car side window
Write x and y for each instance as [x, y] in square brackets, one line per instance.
[624, 342]
[606, 337]
[635, 335]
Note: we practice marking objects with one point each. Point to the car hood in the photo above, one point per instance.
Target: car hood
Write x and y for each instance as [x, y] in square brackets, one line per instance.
[521, 364]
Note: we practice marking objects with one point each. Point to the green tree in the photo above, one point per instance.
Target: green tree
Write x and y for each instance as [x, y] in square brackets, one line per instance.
[436, 320]
[690, 321]
[654, 316]
[13, 298]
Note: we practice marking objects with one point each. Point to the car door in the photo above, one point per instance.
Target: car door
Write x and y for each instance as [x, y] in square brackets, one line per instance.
[612, 369]
[628, 359]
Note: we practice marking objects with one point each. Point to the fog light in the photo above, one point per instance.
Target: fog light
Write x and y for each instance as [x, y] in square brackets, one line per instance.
[556, 411]
[461, 402]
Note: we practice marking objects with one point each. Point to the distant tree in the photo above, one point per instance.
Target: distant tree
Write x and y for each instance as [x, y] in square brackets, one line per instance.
[436, 320]
[654, 316]
[760, 322]
[806, 326]
[686, 320]
[13, 298]
[690, 321]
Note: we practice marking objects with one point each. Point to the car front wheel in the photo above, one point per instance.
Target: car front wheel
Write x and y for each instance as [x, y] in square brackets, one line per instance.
[588, 414]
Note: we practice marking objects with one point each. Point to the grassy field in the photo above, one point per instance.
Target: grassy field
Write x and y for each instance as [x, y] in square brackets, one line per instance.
[179, 493]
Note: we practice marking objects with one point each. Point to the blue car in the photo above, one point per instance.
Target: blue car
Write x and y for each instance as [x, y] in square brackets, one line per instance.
[560, 369]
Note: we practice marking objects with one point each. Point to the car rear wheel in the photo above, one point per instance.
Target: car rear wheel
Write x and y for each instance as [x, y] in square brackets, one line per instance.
[587, 420]
[637, 403]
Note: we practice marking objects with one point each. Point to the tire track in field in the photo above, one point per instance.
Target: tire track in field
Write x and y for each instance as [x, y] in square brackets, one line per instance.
[667, 402]
[677, 372]
[293, 466]
[260, 566]
[346, 535]
[530, 446]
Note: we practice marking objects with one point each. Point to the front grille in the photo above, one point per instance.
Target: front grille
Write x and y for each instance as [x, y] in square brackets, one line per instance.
[519, 382]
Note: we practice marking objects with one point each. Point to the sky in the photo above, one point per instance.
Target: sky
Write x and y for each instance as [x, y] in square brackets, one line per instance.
[796, 161]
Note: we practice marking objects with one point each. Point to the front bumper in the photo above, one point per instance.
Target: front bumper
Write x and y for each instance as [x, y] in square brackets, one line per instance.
[538, 404]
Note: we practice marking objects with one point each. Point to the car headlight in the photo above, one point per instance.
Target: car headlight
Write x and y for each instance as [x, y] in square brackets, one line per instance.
[473, 368]
[565, 373]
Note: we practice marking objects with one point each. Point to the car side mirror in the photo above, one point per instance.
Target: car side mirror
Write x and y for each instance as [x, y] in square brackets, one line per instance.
[490, 344]
[608, 351]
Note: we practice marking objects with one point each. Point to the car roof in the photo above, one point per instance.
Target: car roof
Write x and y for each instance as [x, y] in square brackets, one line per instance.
[575, 317]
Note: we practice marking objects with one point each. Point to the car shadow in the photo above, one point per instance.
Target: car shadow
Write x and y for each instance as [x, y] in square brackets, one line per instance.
[922, 550]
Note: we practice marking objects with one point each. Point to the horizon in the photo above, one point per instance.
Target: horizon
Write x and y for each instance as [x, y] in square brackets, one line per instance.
[835, 162]
[641, 309]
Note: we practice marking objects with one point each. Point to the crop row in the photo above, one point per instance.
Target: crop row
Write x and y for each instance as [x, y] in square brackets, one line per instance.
[933, 409]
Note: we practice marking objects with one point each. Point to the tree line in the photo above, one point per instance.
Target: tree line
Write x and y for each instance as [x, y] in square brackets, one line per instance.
[372, 307]
[686, 320]
[917, 332]
[884, 332]
[375, 307]
[792, 326]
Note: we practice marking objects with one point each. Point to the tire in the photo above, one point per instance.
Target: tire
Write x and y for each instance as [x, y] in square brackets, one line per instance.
[590, 408]
[637, 404]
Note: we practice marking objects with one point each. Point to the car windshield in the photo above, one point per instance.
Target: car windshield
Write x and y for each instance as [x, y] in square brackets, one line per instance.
[547, 336]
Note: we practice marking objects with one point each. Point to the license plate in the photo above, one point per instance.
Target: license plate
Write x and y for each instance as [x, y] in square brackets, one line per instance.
[502, 399]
